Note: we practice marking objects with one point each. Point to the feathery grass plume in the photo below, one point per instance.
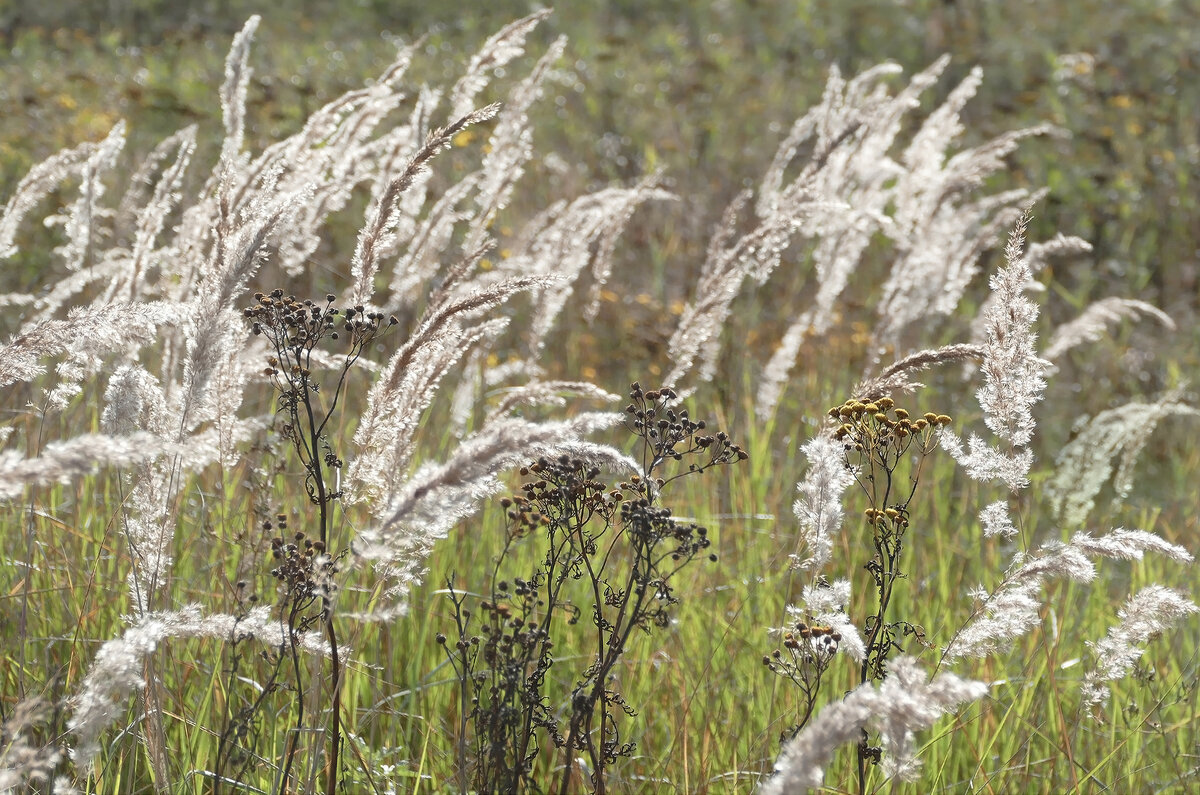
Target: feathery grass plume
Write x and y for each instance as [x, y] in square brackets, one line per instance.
[26, 766]
[1094, 321]
[825, 604]
[696, 337]
[63, 786]
[136, 407]
[1012, 370]
[778, 369]
[60, 462]
[607, 458]
[843, 108]
[895, 377]
[133, 402]
[1014, 607]
[407, 386]
[982, 462]
[509, 147]
[117, 671]
[1122, 544]
[995, 521]
[79, 220]
[500, 49]
[1013, 376]
[215, 330]
[938, 229]
[233, 91]
[816, 202]
[546, 393]
[418, 264]
[1113, 437]
[150, 515]
[853, 129]
[939, 232]
[333, 153]
[88, 356]
[903, 703]
[850, 189]
[819, 508]
[408, 383]
[149, 525]
[938, 250]
[88, 333]
[468, 392]
[565, 239]
[1037, 255]
[34, 187]
[349, 120]
[616, 217]
[1147, 614]
[380, 227]
[150, 218]
[437, 496]
[145, 180]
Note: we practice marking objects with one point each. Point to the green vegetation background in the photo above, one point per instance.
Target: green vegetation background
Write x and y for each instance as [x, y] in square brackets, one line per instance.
[705, 92]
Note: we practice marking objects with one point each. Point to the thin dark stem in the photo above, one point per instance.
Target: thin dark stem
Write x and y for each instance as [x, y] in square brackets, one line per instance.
[293, 739]
[336, 686]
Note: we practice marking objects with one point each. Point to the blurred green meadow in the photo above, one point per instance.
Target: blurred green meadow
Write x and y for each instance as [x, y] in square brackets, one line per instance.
[702, 93]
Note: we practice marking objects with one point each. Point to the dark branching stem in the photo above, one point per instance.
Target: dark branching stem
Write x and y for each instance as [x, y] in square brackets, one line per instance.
[295, 329]
[612, 545]
[664, 434]
[292, 745]
[240, 728]
[877, 437]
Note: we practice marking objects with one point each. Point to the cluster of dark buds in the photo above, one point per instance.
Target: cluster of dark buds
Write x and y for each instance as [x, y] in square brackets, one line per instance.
[807, 650]
[884, 429]
[295, 328]
[297, 325]
[809, 640]
[669, 434]
[304, 576]
[303, 570]
[559, 484]
[653, 525]
[503, 668]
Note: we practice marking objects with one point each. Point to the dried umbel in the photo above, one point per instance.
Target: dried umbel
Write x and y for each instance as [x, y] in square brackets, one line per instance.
[883, 433]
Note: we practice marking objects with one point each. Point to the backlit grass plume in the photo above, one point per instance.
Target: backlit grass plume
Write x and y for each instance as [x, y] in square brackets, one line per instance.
[308, 487]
